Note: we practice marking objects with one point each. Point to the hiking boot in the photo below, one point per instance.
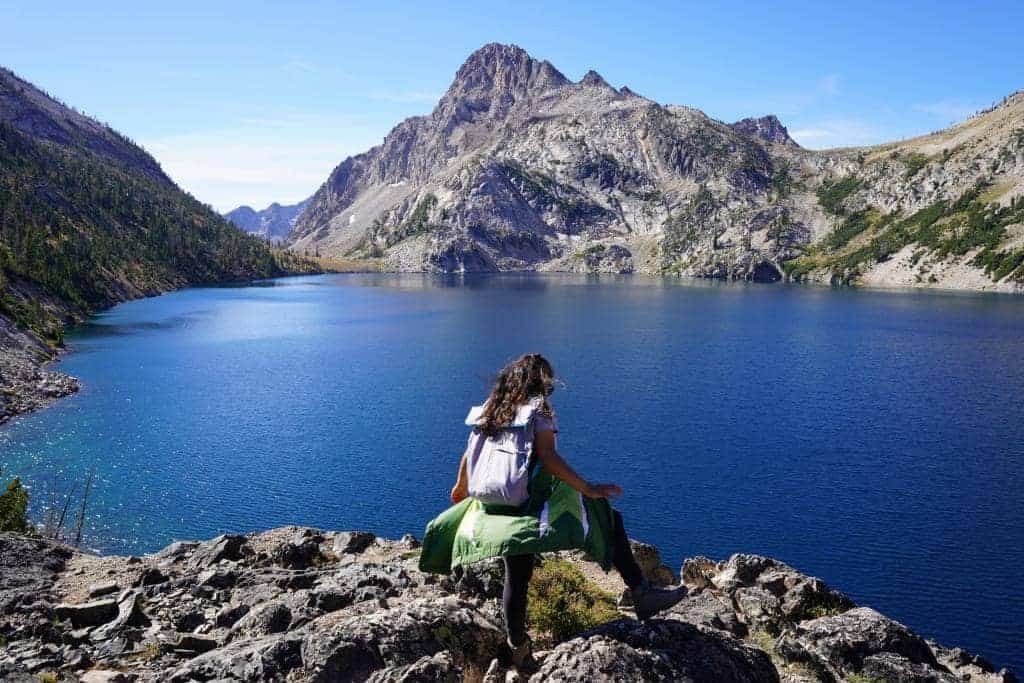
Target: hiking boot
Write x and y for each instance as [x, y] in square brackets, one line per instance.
[648, 600]
[522, 656]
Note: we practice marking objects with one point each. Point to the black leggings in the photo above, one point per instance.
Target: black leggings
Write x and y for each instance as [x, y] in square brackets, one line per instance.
[519, 569]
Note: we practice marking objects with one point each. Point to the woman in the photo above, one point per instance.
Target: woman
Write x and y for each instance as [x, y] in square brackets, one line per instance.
[515, 496]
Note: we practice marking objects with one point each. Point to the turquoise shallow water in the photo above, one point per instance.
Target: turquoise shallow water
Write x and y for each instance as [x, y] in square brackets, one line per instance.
[875, 439]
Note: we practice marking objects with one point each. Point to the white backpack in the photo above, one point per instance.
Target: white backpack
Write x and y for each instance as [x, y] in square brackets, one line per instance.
[499, 466]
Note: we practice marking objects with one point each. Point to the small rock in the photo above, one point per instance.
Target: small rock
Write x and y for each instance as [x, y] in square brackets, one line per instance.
[105, 676]
[702, 608]
[130, 613]
[225, 547]
[196, 644]
[649, 559]
[485, 579]
[217, 578]
[177, 550]
[189, 620]
[353, 542]
[106, 588]
[87, 614]
[229, 614]
[150, 576]
[77, 659]
[273, 617]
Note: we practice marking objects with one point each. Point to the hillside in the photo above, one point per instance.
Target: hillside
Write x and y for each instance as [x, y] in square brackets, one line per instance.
[299, 604]
[272, 223]
[519, 168]
[87, 219]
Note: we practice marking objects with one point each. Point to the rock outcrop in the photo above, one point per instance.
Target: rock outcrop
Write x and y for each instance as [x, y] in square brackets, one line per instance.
[768, 128]
[297, 604]
[520, 168]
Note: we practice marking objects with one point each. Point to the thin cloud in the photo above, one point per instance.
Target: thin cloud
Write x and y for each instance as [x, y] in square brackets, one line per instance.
[262, 161]
[837, 133]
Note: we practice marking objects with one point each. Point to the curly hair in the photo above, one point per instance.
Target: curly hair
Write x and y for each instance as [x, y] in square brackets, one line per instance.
[528, 376]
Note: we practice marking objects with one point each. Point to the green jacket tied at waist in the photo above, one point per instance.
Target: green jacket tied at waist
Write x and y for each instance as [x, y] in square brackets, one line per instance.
[555, 517]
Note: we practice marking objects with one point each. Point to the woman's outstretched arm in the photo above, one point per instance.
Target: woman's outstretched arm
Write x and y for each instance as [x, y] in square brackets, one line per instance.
[461, 489]
[544, 444]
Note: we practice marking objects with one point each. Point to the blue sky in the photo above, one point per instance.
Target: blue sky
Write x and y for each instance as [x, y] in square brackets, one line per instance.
[253, 102]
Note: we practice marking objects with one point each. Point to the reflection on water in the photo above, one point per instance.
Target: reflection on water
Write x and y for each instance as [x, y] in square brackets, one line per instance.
[95, 328]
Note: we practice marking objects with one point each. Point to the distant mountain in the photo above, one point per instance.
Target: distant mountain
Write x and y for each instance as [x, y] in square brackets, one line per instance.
[272, 223]
[520, 168]
[88, 219]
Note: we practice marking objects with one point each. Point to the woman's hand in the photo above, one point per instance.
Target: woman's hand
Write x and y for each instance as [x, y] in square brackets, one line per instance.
[603, 491]
[461, 489]
[459, 494]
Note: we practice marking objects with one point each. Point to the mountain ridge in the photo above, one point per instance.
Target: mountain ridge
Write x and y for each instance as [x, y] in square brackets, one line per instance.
[519, 168]
[88, 219]
[39, 115]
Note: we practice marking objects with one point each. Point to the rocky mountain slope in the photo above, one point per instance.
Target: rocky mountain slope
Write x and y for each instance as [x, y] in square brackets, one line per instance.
[298, 604]
[88, 219]
[519, 168]
[42, 117]
[272, 223]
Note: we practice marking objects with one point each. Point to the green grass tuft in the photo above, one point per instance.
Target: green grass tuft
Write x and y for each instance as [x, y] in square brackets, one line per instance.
[563, 603]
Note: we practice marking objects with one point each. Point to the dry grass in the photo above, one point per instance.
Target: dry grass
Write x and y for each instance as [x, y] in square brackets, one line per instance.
[348, 265]
[993, 193]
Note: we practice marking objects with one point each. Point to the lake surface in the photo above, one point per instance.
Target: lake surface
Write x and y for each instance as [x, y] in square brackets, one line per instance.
[875, 439]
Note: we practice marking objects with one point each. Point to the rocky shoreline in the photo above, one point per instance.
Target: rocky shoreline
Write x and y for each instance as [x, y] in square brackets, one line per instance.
[300, 604]
[25, 383]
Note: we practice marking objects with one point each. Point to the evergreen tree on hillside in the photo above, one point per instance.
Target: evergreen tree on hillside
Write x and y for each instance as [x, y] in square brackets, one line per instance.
[14, 508]
[91, 232]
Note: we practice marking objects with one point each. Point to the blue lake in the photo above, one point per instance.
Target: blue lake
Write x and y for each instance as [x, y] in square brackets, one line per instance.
[875, 439]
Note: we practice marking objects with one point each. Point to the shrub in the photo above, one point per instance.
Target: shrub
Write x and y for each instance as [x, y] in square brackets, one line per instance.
[852, 225]
[915, 162]
[833, 195]
[799, 267]
[14, 508]
[563, 603]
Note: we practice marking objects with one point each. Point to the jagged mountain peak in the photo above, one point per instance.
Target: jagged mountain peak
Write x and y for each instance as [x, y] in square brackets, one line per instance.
[491, 54]
[496, 76]
[767, 128]
[494, 60]
[593, 79]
